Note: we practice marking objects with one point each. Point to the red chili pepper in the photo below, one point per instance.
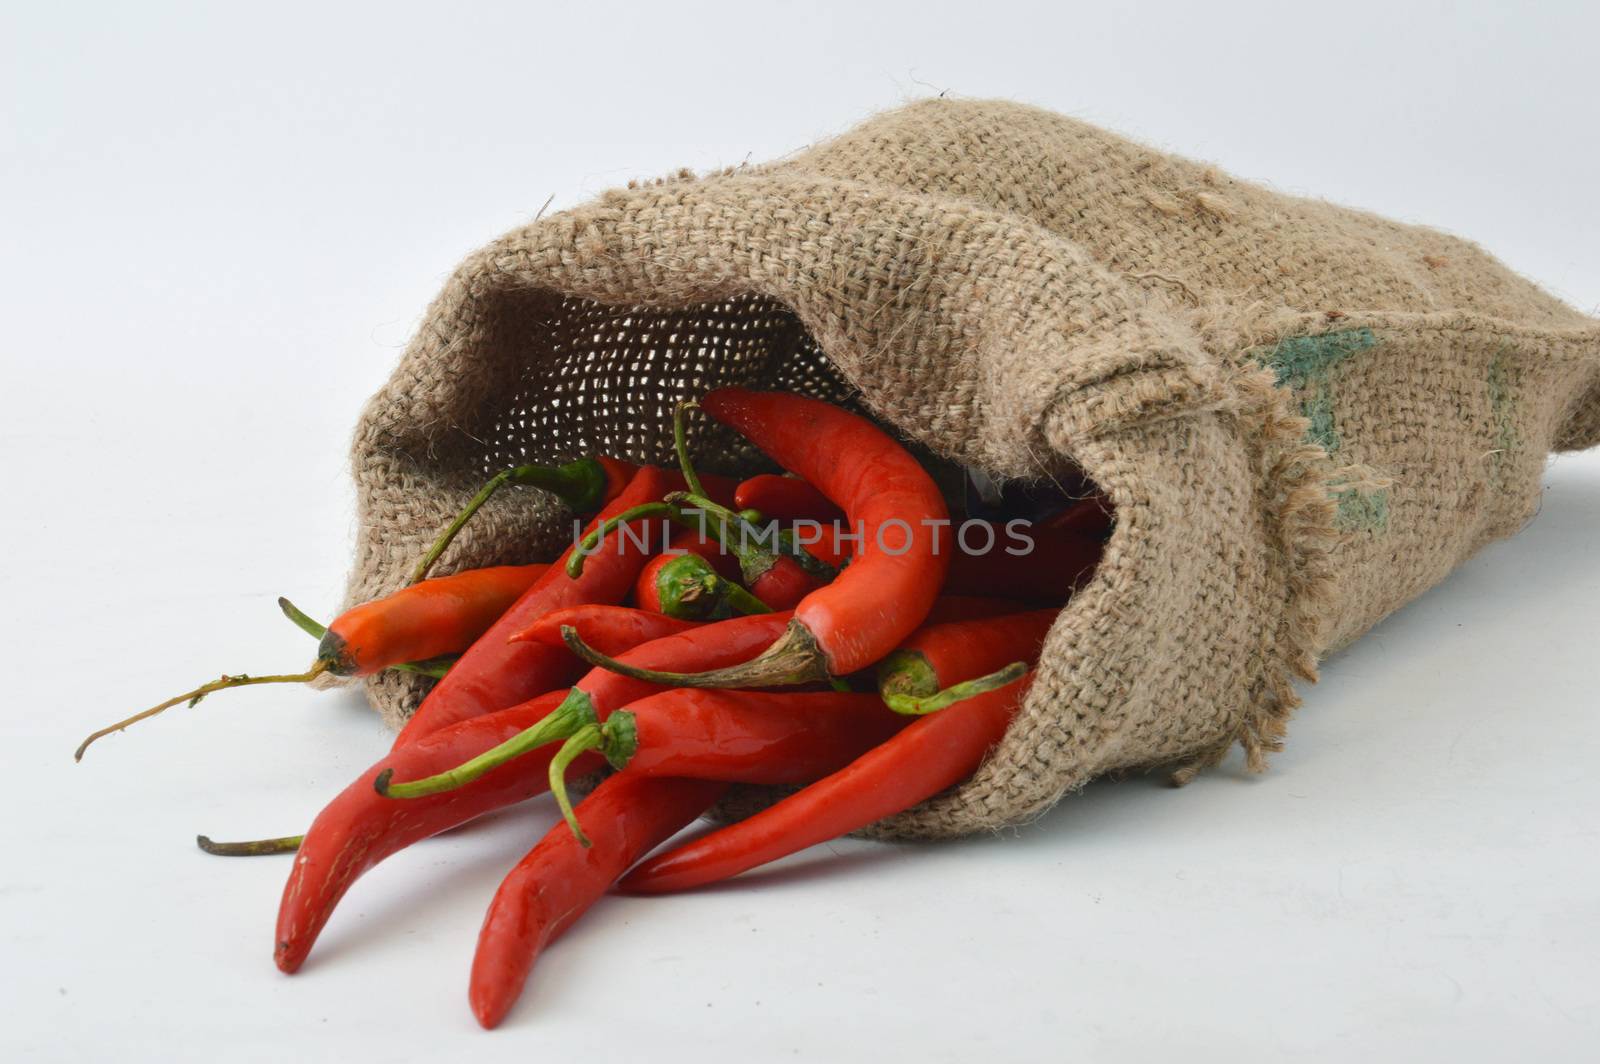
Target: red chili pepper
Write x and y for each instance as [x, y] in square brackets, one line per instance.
[939, 657]
[933, 753]
[618, 627]
[1050, 564]
[585, 486]
[494, 672]
[697, 542]
[687, 587]
[558, 880]
[593, 698]
[888, 588]
[361, 827]
[786, 499]
[734, 736]
[436, 617]
[410, 629]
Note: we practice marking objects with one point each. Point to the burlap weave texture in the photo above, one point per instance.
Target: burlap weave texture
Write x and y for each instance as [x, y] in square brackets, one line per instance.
[1305, 415]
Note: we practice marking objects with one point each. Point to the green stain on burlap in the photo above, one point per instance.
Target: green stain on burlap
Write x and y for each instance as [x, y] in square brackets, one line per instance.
[1305, 363]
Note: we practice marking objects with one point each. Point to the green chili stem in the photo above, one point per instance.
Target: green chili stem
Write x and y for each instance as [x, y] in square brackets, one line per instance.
[253, 848]
[574, 713]
[735, 596]
[586, 738]
[680, 443]
[754, 560]
[589, 543]
[314, 628]
[579, 484]
[193, 698]
[495, 483]
[913, 705]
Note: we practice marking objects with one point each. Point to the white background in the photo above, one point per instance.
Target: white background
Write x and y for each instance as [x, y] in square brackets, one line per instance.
[221, 224]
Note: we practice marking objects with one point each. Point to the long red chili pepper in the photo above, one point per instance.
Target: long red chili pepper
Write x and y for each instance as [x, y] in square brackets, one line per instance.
[439, 616]
[604, 690]
[361, 827]
[786, 499]
[358, 829]
[924, 673]
[558, 880]
[931, 754]
[585, 486]
[594, 697]
[494, 672]
[1048, 566]
[734, 736]
[615, 629]
[618, 627]
[888, 588]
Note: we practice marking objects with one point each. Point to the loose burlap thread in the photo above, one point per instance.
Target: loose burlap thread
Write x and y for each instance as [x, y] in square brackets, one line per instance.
[1305, 415]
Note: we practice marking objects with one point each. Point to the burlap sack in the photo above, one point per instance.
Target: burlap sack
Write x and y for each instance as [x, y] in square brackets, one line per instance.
[1305, 415]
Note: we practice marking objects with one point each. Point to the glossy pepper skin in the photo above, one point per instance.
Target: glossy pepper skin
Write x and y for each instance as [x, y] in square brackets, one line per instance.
[886, 591]
[361, 827]
[618, 627]
[932, 753]
[747, 736]
[785, 499]
[427, 620]
[495, 672]
[940, 655]
[685, 586]
[559, 880]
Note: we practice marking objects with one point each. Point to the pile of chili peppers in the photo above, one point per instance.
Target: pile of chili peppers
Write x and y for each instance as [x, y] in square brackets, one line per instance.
[831, 630]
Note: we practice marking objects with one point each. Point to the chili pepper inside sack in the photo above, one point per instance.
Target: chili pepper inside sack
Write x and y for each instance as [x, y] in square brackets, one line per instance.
[1305, 415]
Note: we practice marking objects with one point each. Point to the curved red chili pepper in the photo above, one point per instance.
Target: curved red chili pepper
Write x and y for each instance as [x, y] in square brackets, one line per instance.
[427, 620]
[361, 827]
[785, 499]
[932, 753]
[559, 879]
[618, 627]
[886, 591]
